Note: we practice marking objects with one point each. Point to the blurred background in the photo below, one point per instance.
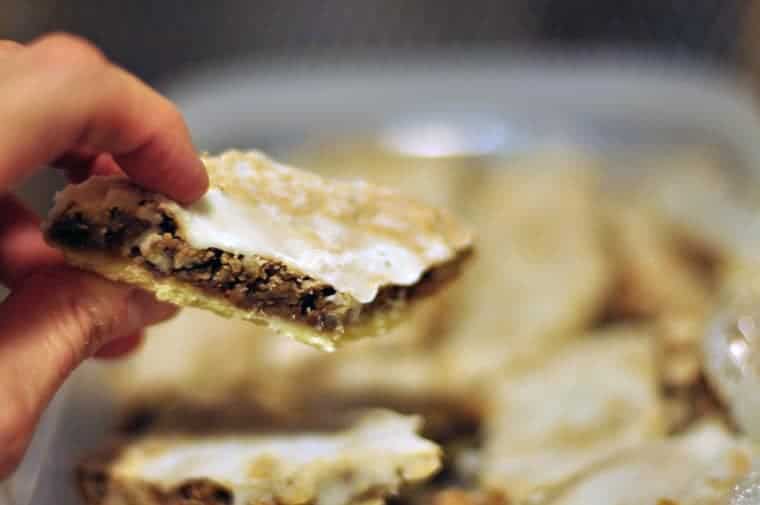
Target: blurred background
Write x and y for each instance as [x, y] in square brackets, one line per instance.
[158, 39]
[162, 41]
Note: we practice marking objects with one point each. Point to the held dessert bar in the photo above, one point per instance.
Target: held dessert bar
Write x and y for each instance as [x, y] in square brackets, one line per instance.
[321, 260]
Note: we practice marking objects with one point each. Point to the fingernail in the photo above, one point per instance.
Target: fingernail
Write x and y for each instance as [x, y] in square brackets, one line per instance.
[197, 184]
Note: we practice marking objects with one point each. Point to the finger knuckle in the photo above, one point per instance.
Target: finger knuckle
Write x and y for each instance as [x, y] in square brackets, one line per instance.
[85, 319]
[72, 49]
[73, 57]
[90, 318]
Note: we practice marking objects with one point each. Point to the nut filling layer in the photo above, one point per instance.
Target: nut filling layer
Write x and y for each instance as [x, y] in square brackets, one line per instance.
[250, 282]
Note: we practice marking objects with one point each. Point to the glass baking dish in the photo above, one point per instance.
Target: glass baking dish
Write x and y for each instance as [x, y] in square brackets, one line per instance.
[433, 104]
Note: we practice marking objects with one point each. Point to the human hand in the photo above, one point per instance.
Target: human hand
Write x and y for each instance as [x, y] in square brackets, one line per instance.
[62, 103]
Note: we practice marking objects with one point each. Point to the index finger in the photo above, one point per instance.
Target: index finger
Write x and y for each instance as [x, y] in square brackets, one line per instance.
[63, 95]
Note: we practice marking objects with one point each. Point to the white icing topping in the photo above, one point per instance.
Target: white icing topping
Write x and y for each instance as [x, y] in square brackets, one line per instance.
[228, 460]
[259, 207]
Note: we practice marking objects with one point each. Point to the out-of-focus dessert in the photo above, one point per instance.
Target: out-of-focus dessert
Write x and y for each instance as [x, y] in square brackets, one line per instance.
[363, 464]
[580, 360]
[699, 467]
[542, 275]
[593, 399]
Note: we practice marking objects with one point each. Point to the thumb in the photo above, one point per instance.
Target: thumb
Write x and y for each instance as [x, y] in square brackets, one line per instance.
[54, 320]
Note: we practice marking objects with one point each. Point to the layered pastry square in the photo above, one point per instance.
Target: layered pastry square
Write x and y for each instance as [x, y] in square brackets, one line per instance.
[321, 260]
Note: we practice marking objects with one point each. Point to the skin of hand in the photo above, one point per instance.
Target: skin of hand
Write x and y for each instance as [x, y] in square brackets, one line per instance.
[62, 103]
